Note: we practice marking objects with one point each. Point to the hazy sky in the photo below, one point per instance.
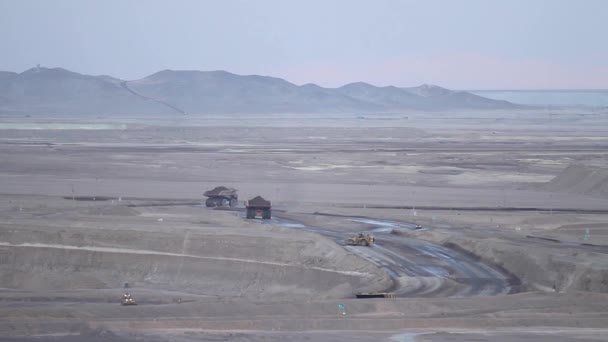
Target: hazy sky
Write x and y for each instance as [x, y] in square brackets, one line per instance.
[477, 44]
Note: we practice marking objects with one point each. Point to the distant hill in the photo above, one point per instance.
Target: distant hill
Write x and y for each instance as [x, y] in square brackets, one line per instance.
[223, 92]
[546, 98]
[441, 98]
[581, 179]
[56, 91]
[387, 98]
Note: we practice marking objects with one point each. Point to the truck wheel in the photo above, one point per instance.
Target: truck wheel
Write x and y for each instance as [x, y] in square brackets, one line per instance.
[250, 213]
[209, 203]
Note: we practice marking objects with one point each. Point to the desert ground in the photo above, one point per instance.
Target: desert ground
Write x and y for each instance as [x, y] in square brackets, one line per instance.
[512, 205]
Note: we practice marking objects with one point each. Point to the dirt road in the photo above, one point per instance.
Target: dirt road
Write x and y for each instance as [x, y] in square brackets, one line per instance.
[419, 268]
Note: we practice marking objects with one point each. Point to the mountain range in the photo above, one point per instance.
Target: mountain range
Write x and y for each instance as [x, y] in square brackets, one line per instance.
[57, 91]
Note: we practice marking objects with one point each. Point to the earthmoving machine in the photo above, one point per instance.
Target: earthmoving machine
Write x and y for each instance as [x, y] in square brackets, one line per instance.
[221, 196]
[127, 299]
[258, 207]
[361, 240]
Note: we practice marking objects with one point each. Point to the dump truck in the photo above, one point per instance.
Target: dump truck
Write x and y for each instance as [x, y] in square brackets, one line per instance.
[221, 196]
[258, 207]
[361, 240]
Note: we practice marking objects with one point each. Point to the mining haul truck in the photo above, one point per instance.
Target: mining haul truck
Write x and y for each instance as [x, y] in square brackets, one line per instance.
[221, 196]
[258, 207]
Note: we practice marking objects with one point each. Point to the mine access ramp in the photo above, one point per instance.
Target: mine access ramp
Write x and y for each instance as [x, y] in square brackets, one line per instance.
[258, 207]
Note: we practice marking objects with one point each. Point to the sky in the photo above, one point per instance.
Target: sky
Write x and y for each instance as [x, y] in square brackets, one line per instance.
[459, 44]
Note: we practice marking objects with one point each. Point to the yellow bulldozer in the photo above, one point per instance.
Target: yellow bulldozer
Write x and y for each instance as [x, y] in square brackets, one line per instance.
[127, 299]
[361, 240]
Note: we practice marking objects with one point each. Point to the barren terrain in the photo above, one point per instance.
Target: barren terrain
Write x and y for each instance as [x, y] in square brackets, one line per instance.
[513, 245]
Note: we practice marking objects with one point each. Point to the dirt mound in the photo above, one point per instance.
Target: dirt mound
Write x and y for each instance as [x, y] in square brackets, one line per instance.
[273, 263]
[581, 179]
[547, 269]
